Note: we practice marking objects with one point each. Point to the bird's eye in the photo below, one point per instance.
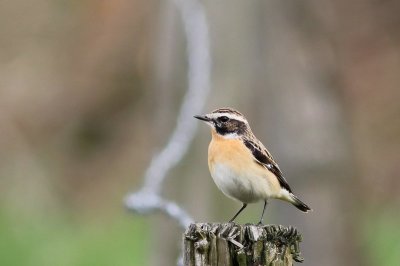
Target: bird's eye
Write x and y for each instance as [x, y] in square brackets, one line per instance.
[223, 119]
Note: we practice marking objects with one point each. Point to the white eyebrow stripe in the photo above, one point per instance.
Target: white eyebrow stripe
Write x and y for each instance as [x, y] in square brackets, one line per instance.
[231, 116]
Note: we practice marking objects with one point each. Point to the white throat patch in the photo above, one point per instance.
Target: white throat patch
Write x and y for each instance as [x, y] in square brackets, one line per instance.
[231, 136]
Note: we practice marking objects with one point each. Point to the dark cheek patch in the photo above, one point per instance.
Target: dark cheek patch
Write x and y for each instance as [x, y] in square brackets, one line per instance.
[222, 130]
[233, 126]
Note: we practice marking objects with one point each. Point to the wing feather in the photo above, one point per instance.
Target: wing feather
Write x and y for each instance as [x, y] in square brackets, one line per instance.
[263, 157]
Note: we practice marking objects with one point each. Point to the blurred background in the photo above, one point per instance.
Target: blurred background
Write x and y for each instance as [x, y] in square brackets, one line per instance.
[90, 90]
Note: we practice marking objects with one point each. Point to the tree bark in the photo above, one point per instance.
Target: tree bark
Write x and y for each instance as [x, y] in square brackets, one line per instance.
[231, 244]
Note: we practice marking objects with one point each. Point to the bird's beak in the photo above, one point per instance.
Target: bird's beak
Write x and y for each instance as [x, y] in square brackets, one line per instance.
[203, 118]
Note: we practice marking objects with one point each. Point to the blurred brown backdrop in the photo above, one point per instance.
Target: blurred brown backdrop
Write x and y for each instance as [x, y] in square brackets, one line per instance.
[89, 90]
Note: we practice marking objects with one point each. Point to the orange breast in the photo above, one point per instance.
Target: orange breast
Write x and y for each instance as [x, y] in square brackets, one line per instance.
[234, 154]
[231, 152]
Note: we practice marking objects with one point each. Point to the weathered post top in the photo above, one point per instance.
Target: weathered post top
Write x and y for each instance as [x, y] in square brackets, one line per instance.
[231, 244]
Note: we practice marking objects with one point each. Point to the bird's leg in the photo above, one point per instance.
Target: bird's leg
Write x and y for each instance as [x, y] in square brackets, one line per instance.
[262, 215]
[241, 209]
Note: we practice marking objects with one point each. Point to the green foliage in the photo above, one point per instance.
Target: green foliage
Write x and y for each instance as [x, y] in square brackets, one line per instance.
[382, 238]
[47, 241]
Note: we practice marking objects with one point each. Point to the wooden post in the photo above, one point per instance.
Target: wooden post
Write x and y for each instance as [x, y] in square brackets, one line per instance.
[230, 244]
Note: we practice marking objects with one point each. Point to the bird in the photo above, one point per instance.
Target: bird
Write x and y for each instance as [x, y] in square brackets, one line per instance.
[240, 165]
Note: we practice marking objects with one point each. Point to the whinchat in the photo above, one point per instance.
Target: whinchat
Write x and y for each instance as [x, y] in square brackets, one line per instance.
[240, 165]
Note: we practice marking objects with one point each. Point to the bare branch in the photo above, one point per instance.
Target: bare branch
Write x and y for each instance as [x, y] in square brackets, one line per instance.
[148, 198]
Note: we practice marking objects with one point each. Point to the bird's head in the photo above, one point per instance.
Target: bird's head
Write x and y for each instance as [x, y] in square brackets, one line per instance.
[226, 122]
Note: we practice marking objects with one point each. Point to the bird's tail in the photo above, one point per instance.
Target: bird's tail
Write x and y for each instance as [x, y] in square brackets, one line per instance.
[299, 204]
